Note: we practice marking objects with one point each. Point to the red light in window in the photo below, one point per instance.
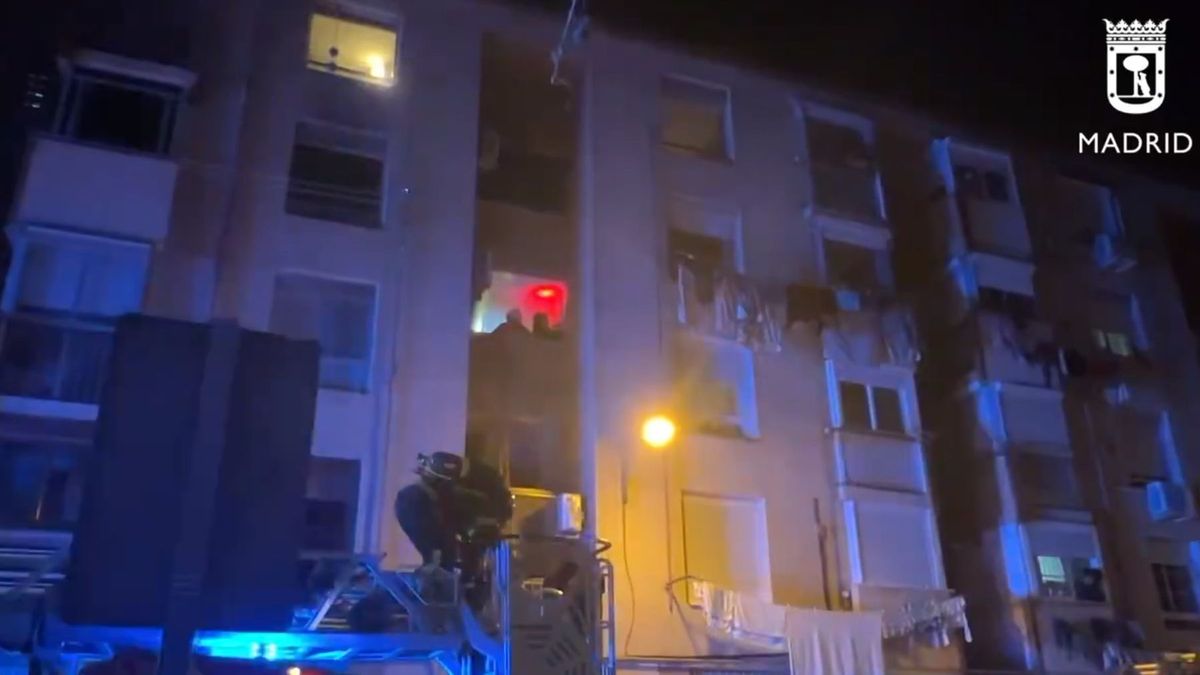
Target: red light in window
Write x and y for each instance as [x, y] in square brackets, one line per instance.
[546, 292]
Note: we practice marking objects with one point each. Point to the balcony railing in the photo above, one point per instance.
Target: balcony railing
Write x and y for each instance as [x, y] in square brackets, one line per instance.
[53, 358]
[722, 303]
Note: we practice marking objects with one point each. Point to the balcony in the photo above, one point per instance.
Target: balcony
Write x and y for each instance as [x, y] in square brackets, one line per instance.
[718, 302]
[125, 194]
[53, 358]
[1019, 351]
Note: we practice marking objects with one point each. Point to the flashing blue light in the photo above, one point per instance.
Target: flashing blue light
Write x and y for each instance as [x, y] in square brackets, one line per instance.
[271, 652]
[255, 650]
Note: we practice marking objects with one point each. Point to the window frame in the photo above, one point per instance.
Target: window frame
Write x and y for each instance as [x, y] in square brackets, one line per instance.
[372, 327]
[866, 131]
[906, 414]
[1068, 577]
[728, 154]
[338, 11]
[334, 138]
[74, 85]
[745, 389]
[1162, 580]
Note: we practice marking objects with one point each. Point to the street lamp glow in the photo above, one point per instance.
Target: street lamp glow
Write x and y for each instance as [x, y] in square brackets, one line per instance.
[658, 431]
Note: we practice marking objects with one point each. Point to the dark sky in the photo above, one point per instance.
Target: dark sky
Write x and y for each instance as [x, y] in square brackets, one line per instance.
[1030, 70]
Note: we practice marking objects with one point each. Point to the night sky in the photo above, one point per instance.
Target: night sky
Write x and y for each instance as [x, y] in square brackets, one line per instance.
[1022, 72]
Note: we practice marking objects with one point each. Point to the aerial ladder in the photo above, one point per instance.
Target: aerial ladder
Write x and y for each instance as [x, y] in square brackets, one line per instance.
[538, 620]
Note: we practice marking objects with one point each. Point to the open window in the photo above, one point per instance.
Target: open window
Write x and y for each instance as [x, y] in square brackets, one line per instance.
[696, 118]
[853, 266]
[120, 111]
[352, 48]
[539, 303]
[1017, 306]
[339, 315]
[844, 176]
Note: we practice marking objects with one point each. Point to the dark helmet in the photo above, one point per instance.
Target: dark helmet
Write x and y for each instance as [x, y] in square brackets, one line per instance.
[440, 465]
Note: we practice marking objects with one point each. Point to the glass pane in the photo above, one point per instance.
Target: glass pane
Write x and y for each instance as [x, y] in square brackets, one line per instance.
[352, 48]
[338, 314]
[856, 413]
[1179, 579]
[889, 415]
[1051, 569]
[1162, 587]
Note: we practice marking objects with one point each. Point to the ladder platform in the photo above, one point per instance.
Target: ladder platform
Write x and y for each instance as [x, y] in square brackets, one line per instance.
[59, 640]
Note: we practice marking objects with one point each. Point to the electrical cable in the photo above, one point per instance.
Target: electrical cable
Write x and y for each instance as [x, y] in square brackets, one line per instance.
[628, 575]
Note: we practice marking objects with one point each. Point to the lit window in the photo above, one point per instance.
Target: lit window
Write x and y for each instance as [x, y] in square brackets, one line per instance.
[352, 48]
[541, 303]
[1115, 343]
[339, 315]
[871, 408]
[1051, 569]
[696, 119]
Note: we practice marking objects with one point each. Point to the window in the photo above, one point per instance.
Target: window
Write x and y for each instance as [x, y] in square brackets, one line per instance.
[533, 297]
[1113, 342]
[1077, 578]
[340, 315]
[1176, 593]
[843, 172]
[61, 297]
[871, 408]
[1015, 305]
[41, 484]
[352, 48]
[725, 542]
[119, 111]
[331, 503]
[696, 118]
[336, 175]
[852, 266]
[983, 184]
[717, 377]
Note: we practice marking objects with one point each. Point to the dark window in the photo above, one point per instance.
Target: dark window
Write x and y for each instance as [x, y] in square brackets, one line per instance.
[335, 185]
[995, 186]
[340, 315]
[331, 504]
[851, 266]
[41, 484]
[1175, 590]
[696, 249]
[856, 410]
[120, 112]
[1016, 305]
[889, 416]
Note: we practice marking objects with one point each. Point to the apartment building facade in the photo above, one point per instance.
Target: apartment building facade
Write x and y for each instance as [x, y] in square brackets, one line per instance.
[681, 237]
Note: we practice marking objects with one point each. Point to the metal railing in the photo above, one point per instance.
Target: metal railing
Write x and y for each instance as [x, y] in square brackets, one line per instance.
[54, 357]
[325, 201]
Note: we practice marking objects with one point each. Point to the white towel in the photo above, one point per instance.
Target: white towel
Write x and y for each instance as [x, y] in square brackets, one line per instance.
[835, 643]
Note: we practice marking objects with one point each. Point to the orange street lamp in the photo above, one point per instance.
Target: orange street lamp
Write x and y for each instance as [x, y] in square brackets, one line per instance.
[658, 431]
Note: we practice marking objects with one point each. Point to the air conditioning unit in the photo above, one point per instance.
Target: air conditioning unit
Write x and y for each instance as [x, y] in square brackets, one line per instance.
[1110, 254]
[1167, 501]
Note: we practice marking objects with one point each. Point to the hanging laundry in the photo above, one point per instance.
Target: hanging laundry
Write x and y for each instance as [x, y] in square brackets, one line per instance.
[835, 643]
